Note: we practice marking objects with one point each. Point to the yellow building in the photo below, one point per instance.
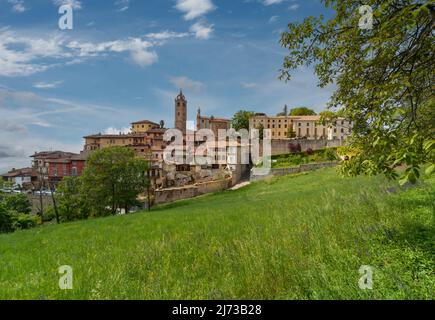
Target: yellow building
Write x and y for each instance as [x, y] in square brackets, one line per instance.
[301, 127]
[143, 126]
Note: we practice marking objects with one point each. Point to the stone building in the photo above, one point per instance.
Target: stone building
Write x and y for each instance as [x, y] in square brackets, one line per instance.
[301, 127]
[181, 112]
[212, 123]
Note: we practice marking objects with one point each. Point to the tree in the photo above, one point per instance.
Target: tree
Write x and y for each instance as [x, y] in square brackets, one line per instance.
[290, 133]
[18, 202]
[302, 111]
[241, 120]
[284, 112]
[383, 76]
[72, 204]
[260, 129]
[112, 179]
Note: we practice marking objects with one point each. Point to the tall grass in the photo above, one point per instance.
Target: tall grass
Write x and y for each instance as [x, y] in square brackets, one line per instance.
[294, 237]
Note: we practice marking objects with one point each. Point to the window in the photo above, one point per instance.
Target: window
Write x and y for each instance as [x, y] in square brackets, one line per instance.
[74, 171]
[308, 124]
[342, 130]
[300, 124]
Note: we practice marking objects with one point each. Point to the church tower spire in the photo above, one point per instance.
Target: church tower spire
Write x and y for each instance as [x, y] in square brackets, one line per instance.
[181, 112]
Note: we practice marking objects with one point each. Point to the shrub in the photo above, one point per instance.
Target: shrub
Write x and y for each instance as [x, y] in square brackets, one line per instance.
[330, 154]
[295, 147]
[24, 221]
[5, 220]
[310, 151]
[18, 202]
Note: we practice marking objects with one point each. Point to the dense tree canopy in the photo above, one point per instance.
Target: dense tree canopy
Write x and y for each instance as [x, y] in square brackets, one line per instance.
[384, 75]
[113, 178]
[302, 111]
[241, 119]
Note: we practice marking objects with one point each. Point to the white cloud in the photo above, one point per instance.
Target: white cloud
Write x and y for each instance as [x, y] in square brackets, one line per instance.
[249, 85]
[144, 58]
[194, 8]
[14, 62]
[113, 130]
[294, 7]
[273, 19]
[186, 83]
[25, 113]
[26, 55]
[270, 2]
[123, 5]
[47, 85]
[165, 35]
[75, 4]
[201, 30]
[18, 5]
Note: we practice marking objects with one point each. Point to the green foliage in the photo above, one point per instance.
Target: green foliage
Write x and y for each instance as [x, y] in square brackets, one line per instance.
[72, 203]
[384, 78]
[15, 213]
[290, 133]
[24, 221]
[5, 219]
[113, 178]
[294, 237]
[18, 202]
[241, 120]
[260, 128]
[296, 159]
[284, 112]
[302, 111]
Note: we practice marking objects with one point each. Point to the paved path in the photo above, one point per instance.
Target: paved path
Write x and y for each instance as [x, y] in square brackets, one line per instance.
[241, 185]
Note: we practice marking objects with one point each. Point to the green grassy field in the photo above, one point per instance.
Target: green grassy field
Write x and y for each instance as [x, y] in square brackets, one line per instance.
[294, 237]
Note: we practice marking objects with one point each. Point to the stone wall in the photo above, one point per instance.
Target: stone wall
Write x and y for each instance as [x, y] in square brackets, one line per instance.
[293, 170]
[186, 192]
[282, 146]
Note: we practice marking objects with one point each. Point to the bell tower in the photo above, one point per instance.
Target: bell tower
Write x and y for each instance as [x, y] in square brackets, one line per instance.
[181, 112]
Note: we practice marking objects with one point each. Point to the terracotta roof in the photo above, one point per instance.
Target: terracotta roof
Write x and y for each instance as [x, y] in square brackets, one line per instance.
[146, 122]
[52, 154]
[21, 172]
[116, 136]
[157, 130]
[301, 118]
[215, 119]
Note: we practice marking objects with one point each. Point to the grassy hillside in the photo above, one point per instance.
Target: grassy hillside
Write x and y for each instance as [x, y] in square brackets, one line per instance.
[295, 237]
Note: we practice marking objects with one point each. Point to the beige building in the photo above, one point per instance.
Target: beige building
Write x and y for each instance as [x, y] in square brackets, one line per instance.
[212, 123]
[301, 127]
[143, 126]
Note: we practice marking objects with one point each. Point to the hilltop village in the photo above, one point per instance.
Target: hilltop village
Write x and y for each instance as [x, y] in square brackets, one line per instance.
[147, 139]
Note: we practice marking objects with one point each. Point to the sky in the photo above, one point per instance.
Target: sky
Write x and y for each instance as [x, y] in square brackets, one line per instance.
[126, 60]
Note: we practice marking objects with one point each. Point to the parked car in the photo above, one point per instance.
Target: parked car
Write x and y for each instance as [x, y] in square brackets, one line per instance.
[43, 192]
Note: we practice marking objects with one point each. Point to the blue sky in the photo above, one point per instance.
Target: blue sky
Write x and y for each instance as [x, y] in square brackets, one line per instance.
[125, 60]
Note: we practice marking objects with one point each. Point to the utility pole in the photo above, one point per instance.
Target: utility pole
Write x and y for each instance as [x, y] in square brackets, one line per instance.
[41, 184]
[148, 188]
[54, 203]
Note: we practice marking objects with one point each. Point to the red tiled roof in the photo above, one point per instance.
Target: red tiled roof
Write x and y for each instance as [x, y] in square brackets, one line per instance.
[145, 122]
